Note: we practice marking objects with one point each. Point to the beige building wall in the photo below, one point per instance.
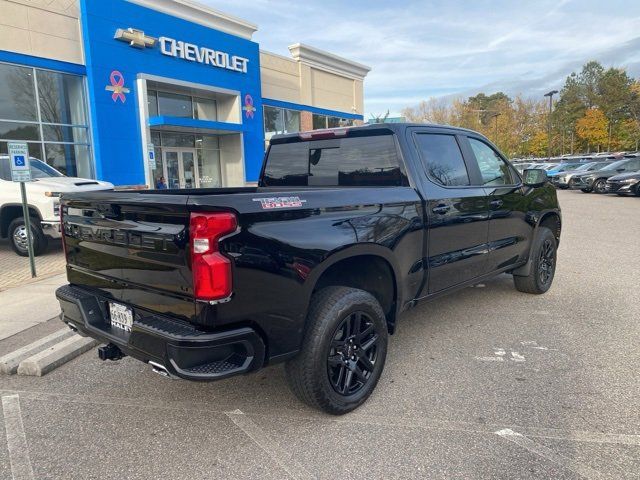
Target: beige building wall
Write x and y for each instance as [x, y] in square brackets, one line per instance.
[42, 28]
[315, 78]
[280, 78]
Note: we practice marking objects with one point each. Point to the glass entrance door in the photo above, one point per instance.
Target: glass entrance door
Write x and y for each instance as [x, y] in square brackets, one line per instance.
[181, 169]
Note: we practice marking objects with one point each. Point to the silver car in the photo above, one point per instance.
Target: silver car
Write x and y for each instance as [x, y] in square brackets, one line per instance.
[562, 179]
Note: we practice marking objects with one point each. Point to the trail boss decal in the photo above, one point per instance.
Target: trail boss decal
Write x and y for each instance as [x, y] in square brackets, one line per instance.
[279, 202]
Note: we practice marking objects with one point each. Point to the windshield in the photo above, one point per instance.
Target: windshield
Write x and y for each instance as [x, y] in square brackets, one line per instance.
[568, 166]
[615, 165]
[586, 166]
[39, 169]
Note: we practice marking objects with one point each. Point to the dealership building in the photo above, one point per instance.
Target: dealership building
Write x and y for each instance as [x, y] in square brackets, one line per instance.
[131, 91]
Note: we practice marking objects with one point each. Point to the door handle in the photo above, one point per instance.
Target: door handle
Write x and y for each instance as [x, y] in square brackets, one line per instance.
[496, 203]
[441, 209]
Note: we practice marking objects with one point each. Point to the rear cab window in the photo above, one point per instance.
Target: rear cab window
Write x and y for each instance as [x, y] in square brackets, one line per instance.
[366, 158]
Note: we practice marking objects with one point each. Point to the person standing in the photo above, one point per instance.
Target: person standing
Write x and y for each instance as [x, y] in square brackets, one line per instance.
[161, 184]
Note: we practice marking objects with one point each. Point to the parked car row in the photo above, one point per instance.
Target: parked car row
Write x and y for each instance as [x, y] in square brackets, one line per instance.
[609, 173]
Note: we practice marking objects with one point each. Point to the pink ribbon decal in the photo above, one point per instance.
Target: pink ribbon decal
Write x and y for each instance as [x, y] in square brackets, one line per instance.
[117, 87]
[248, 108]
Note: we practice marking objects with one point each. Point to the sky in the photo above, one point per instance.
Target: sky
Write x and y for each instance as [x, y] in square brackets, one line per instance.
[422, 49]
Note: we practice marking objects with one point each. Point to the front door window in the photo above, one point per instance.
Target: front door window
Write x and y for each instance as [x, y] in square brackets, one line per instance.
[188, 169]
[181, 170]
[171, 164]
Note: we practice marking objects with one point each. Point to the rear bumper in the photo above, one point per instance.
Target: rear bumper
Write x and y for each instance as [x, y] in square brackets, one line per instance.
[51, 228]
[181, 348]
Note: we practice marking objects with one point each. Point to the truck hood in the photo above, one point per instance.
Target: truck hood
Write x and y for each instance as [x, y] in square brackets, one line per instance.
[68, 184]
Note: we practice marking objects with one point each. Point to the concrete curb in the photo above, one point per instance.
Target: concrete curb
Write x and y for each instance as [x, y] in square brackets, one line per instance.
[59, 354]
[9, 362]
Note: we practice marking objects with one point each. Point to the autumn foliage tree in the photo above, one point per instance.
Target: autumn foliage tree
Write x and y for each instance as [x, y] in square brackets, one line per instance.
[592, 127]
[597, 109]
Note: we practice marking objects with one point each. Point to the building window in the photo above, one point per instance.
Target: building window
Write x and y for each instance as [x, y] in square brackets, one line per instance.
[174, 105]
[152, 103]
[204, 109]
[179, 105]
[280, 120]
[326, 121]
[56, 132]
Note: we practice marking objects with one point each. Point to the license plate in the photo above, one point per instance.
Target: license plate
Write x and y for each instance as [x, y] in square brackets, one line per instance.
[121, 316]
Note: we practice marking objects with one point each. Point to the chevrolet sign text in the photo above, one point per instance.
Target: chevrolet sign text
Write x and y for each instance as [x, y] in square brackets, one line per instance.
[207, 56]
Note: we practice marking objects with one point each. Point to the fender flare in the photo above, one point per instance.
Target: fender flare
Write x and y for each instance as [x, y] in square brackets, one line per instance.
[525, 270]
[357, 250]
[32, 208]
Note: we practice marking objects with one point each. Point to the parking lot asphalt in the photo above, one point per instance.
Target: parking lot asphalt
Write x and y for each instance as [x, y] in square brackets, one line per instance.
[485, 383]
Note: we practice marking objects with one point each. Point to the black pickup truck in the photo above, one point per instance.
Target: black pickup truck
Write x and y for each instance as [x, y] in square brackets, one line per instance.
[347, 229]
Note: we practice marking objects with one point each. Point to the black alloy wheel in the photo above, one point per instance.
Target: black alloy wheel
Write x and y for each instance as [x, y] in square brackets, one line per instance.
[352, 354]
[343, 351]
[539, 276]
[547, 262]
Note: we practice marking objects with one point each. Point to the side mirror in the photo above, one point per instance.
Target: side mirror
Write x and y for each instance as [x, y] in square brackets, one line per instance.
[534, 177]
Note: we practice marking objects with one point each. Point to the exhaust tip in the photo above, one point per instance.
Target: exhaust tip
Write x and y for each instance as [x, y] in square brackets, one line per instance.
[160, 369]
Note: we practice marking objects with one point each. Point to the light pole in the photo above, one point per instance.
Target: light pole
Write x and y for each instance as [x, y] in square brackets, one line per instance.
[550, 95]
[496, 115]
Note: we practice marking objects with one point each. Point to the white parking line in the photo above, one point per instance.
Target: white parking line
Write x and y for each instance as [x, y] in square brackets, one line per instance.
[355, 417]
[16, 439]
[541, 450]
[255, 433]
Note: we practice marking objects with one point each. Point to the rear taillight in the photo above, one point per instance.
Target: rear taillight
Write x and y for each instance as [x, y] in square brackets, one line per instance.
[211, 270]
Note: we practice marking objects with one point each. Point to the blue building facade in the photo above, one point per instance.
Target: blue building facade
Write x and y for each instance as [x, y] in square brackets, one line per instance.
[165, 99]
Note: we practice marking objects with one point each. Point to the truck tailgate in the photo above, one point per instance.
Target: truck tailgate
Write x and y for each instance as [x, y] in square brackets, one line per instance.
[131, 246]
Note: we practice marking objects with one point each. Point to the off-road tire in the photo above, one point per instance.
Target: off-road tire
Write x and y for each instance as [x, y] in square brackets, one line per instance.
[38, 238]
[308, 374]
[534, 283]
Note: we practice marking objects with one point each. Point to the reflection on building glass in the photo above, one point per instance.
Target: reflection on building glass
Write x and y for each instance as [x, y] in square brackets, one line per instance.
[56, 133]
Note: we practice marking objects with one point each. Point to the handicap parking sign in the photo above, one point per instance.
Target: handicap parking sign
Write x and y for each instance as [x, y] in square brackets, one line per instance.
[151, 156]
[20, 168]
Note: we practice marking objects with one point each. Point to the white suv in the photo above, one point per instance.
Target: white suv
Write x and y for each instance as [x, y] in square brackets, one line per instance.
[43, 193]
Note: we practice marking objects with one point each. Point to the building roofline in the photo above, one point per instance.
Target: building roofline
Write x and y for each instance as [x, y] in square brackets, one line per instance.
[197, 13]
[316, 57]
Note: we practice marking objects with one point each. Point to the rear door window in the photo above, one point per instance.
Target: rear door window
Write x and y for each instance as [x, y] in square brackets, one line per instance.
[351, 161]
[442, 159]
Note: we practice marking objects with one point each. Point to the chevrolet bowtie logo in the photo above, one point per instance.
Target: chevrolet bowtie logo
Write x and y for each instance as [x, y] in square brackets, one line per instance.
[136, 38]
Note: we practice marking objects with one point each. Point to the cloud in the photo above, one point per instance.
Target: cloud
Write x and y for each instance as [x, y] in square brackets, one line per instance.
[418, 49]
